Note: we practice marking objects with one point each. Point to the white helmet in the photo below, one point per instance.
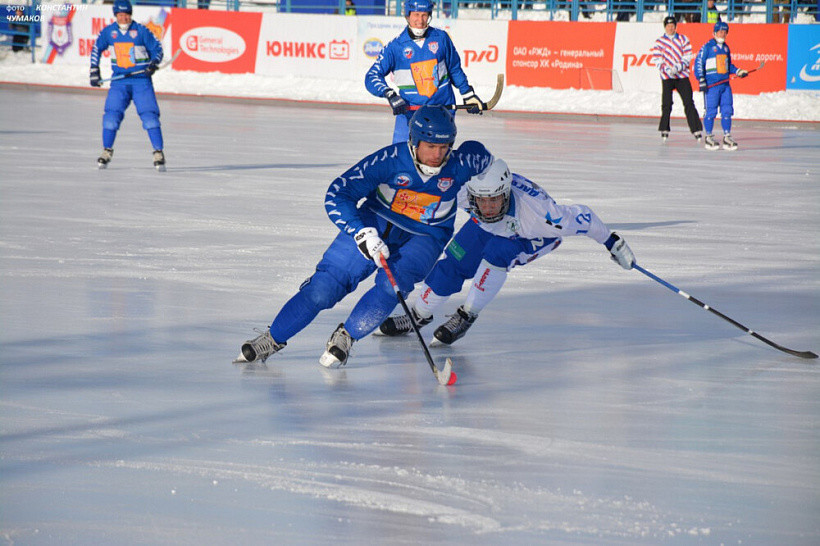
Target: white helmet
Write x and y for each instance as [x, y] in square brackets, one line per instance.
[494, 181]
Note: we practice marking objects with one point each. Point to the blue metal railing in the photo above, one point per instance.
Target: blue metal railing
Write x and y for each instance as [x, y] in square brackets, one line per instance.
[20, 30]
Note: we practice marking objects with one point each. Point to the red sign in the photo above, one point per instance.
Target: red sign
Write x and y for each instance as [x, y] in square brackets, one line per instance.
[560, 55]
[216, 41]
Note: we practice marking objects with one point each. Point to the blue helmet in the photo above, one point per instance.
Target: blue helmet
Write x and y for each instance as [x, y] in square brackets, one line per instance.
[432, 124]
[122, 6]
[720, 25]
[417, 5]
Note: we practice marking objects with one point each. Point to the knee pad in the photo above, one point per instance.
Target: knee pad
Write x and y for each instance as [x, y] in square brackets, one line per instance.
[112, 120]
[150, 121]
[322, 291]
[501, 252]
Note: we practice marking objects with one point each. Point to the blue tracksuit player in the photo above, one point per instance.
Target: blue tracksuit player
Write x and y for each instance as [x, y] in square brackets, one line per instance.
[135, 56]
[713, 68]
[399, 202]
[425, 66]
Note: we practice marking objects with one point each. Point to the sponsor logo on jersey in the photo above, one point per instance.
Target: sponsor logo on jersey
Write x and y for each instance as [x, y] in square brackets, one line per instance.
[444, 184]
[555, 222]
[403, 180]
[372, 47]
[408, 52]
[433, 47]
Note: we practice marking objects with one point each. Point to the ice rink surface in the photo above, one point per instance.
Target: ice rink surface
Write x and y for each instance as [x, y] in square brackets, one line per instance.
[594, 406]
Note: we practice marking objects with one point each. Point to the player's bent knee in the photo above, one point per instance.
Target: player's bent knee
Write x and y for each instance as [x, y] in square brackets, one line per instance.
[322, 291]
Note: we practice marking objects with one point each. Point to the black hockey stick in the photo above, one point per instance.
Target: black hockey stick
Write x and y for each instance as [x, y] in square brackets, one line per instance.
[143, 71]
[446, 375]
[727, 79]
[801, 354]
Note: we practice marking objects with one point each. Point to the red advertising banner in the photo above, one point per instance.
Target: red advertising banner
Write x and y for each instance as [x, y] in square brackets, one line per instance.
[215, 41]
[560, 54]
[750, 45]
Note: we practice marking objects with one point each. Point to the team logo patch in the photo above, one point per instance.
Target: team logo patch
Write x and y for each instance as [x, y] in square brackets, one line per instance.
[113, 34]
[408, 52]
[445, 183]
[403, 180]
[132, 33]
[433, 46]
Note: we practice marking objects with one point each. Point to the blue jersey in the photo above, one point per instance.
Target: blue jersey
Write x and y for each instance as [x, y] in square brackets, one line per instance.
[714, 63]
[425, 71]
[393, 189]
[131, 50]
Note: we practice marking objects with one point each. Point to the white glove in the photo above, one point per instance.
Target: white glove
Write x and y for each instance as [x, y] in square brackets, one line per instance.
[371, 245]
[620, 251]
[669, 70]
[475, 103]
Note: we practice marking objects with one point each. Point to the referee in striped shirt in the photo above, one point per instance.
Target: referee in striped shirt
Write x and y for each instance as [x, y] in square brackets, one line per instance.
[673, 53]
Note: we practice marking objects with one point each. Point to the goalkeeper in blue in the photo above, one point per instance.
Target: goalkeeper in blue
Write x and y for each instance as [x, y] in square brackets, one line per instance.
[513, 221]
[399, 203]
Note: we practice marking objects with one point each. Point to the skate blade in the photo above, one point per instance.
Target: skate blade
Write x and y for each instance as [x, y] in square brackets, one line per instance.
[240, 359]
[101, 166]
[329, 361]
[160, 168]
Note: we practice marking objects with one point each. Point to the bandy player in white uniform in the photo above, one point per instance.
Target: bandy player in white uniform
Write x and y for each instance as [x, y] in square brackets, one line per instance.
[513, 221]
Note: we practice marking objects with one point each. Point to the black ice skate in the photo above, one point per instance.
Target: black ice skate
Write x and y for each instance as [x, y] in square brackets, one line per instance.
[338, 348]
[258, 348]
[400, 325]
[159, 161]
[698, 135]
[729, 143]
[710, 143]
[105, 158]
[455, 328]
[664, 136]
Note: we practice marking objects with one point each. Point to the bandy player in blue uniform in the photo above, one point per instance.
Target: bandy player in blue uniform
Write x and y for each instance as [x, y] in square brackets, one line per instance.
[513, 221]
[425, 67]
[399, 202]
[713, 68]
[135, 56]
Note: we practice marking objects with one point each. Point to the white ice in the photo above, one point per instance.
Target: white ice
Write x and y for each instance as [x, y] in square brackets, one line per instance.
[594, 406]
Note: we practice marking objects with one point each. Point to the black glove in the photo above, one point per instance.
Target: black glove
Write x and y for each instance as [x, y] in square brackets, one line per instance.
[398, 104]
[151, 68]
[476, 105]
[702, 84]
[741, 73]
[94, 77]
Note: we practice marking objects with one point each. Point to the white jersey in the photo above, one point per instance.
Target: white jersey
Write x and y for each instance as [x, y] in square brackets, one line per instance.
[533, 214]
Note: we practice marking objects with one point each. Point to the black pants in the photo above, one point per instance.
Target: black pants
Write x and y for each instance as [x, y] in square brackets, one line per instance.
[684, 88]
